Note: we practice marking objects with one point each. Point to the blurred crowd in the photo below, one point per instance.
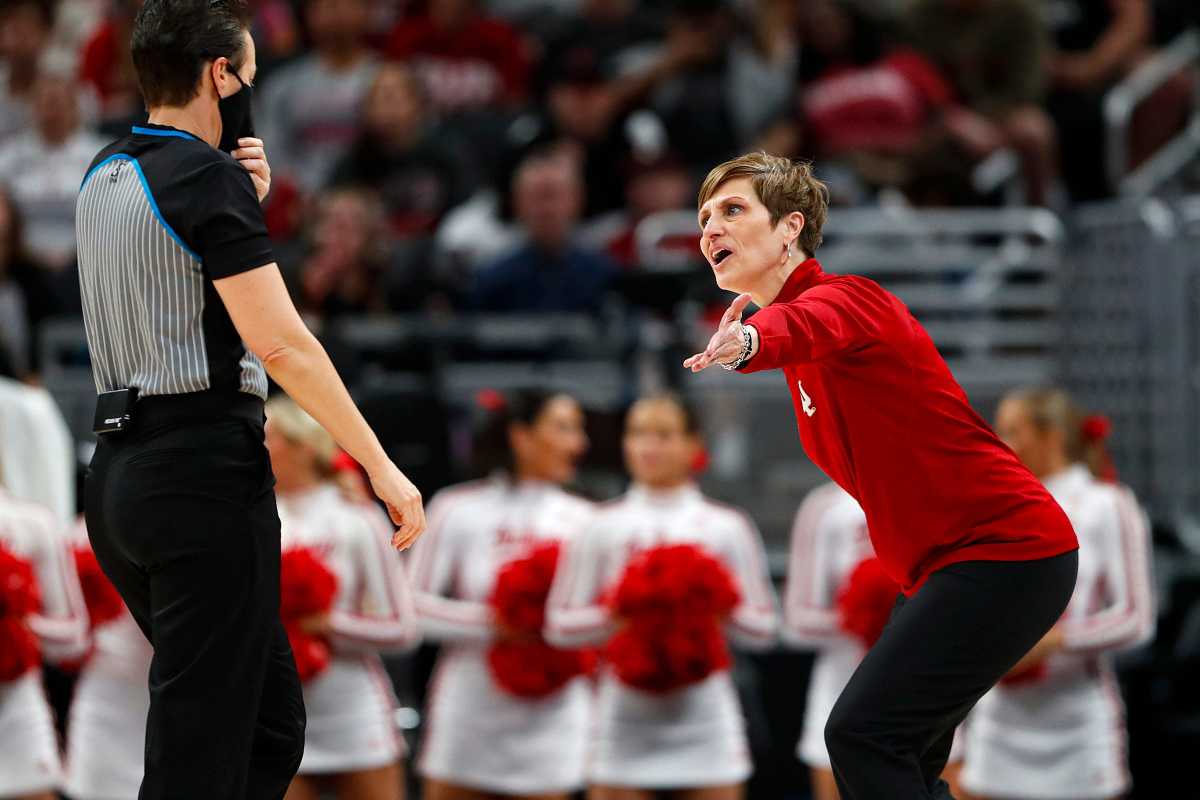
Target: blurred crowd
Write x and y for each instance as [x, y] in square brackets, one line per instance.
[442, 155]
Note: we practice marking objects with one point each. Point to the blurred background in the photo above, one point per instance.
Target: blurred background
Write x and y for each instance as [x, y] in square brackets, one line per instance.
[476, 195]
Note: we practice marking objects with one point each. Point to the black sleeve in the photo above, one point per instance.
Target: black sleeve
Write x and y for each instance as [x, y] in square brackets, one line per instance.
[230, 232]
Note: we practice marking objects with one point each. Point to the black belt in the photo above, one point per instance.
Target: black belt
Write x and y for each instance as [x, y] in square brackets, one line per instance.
[167, 409]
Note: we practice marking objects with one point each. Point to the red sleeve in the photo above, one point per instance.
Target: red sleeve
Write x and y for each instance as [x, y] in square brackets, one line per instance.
[823, 322]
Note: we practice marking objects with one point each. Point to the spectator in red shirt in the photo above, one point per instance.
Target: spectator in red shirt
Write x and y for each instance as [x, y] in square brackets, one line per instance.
[985, 558]
[106, 66]
[470, 62]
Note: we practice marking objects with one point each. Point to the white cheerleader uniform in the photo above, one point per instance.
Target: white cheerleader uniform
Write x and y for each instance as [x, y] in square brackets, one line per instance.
[29, 759]
[351, 705]
[695, 736]
[1064, 736]
[829, 539]
[476, 734]
[106, 731]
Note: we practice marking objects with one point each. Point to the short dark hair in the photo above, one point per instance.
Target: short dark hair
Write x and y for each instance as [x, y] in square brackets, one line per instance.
[491, 451]
[687, 409]
[173, 39]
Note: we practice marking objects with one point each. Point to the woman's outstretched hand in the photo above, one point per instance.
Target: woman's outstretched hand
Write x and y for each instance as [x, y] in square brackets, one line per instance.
[726, 344]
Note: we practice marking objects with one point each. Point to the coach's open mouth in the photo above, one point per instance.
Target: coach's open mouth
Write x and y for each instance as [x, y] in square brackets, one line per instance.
[721, 255]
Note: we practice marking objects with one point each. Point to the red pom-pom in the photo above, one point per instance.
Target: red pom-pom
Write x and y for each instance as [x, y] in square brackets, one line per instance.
[533, 669]
[865, 601]
[310, 652]
[674, 580]
[306, 588]
[673, 598]
[18, 649]
[306, 585]
[1096, 428]
[104, 603]
[664, 655]
[530, 668]
[19, 595]
[522, 586]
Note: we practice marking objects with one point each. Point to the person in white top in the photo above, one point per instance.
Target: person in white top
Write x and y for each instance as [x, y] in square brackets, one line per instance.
[1060, 731]
[690, 743]
[29, 760]
[351, 745]
[37, 453]
[44, 166]
[480, 741]
[106, 729]
[829, 539]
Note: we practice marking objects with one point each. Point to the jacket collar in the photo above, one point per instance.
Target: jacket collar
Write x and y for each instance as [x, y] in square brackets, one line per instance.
[806, 275]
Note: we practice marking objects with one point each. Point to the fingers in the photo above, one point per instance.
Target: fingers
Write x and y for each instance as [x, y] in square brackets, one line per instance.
[250, 141]
[409, 517]
[255, 166]
[698, 362]
[249, 152]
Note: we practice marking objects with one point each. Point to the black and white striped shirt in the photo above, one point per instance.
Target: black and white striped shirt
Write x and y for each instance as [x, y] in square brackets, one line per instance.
[160, 216]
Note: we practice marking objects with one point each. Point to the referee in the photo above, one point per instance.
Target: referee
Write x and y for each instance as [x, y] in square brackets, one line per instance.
[186, 314]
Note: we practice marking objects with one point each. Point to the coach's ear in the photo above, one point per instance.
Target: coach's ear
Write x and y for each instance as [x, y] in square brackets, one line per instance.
[793, 224]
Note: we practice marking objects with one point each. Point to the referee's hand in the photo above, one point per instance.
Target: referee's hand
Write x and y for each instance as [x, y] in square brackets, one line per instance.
[252, 155]
[403, 502]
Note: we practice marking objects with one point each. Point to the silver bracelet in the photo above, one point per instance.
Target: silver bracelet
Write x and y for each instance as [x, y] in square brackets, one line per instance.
[744, 355]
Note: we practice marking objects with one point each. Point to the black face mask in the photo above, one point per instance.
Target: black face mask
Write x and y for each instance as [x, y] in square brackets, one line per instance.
[236, 120]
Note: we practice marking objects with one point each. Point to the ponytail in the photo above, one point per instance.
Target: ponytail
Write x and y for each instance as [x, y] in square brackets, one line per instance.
[1094, 433]
[498, 412]
[1052, 408]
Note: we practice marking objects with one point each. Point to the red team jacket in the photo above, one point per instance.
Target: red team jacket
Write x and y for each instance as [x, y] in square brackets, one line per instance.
[880, 413]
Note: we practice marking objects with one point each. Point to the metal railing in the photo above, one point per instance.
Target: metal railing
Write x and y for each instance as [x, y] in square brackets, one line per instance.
[1123, 99]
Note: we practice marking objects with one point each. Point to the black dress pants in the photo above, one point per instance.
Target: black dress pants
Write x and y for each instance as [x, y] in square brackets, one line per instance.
[182, 517]
[890, 732]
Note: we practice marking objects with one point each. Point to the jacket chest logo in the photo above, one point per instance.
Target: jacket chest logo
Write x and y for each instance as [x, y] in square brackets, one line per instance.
[805, 401]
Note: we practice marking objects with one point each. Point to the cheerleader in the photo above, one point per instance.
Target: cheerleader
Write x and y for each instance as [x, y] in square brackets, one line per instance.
[480, 741]
[690, 742]
[30, 767]
[1056, 727]
[106, 730]
[351, 745]
[829, 538]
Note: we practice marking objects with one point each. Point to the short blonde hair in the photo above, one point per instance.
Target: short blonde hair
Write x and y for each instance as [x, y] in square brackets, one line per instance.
[1052, 408]
[783, 186]
[296, 424]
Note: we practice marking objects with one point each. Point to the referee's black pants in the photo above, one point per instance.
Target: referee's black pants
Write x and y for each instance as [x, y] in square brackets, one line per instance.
[890, 732]
[182, 517]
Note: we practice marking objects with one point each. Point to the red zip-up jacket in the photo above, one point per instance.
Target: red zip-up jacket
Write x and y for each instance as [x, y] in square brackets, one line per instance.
[880, 413]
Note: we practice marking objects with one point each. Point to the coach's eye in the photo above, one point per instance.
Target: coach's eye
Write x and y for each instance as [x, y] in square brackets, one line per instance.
[734, 208]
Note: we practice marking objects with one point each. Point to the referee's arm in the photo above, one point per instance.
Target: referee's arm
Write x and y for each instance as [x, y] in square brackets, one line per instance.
[265, 318]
